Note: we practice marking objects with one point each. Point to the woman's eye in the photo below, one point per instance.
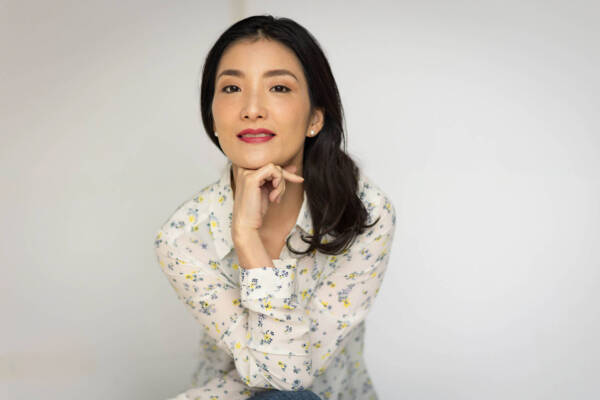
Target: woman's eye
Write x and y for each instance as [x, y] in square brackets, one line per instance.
[228, 86]
[281, 86]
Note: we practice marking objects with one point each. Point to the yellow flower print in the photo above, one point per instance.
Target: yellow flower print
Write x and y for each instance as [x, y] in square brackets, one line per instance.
[356, 364]
[192, 218]
[304, 270]
[213, 264]
[221, 199]
[327, 395]
[373, 274]
[238, 345]
[235, 266]
[268, 305]
[236, 301]
[346, 302]
[213, 224]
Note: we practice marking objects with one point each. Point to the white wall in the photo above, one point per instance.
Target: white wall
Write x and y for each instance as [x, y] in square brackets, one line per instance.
[477, 117]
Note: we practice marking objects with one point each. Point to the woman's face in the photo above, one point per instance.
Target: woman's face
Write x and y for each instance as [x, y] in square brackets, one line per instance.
[248, 94]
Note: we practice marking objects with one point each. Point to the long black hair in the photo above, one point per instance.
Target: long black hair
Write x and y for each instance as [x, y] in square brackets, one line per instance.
[330, 175]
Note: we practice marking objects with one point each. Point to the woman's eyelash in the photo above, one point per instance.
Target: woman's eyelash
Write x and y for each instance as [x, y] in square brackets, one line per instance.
[280, 86]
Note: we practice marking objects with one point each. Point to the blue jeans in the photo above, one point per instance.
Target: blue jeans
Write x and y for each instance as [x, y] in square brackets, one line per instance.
[274, 394]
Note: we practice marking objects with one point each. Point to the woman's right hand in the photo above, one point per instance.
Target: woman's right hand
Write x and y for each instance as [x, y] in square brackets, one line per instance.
[254, 189]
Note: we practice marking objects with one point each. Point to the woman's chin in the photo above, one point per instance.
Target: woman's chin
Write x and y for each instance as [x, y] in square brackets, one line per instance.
[254, 163]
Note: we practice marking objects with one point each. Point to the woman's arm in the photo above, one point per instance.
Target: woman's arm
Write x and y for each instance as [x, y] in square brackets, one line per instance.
[343, 298]
[258, 323]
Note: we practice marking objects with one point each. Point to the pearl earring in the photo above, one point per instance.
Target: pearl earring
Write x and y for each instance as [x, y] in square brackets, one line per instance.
[216, 134]
[312, 133]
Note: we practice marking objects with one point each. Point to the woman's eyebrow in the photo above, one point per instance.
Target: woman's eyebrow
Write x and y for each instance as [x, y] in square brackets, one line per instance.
[268, 74]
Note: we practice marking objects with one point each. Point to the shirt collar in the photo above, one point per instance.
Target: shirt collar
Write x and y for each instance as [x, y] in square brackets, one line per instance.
[221, 213]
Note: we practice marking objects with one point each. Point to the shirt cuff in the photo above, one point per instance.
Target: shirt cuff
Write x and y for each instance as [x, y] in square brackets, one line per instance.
[277, 324]
[259, 285]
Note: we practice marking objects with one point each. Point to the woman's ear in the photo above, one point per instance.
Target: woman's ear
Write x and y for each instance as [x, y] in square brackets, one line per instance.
[317, 122]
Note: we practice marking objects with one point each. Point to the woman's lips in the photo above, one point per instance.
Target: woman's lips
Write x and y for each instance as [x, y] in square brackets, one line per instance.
[255, 139]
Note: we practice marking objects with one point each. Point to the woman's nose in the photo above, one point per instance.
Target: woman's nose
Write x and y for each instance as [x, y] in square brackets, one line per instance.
[254, 106]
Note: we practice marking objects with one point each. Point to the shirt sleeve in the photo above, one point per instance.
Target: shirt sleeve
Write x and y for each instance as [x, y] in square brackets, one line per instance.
[226, 386]
[344, 297]
[258, 323]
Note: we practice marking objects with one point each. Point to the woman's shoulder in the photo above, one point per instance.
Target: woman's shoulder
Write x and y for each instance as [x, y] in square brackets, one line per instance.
[375, 199]
[190, 213]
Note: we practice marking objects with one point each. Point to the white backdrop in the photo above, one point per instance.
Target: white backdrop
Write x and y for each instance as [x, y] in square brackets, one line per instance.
[478, 118]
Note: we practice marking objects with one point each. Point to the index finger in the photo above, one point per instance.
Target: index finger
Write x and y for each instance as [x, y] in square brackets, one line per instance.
[291, 176]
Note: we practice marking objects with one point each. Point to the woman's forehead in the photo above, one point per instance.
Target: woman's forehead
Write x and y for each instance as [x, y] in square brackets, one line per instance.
[259, 57]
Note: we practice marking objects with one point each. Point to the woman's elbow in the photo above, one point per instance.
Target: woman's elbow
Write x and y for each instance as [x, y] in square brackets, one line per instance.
[288, 378]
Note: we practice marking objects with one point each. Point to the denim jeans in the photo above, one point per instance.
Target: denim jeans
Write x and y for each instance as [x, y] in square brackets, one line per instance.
[275, 394]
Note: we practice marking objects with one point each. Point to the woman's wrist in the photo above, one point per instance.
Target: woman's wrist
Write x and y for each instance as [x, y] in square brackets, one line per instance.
[241, 234]
[250, 249]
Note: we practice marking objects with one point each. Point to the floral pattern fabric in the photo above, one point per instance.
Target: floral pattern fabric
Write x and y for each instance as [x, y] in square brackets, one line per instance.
[299, 325]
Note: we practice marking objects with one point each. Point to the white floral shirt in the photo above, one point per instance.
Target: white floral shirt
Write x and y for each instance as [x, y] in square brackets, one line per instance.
[297, 326]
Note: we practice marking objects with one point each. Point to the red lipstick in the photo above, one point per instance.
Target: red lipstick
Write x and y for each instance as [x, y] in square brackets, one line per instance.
[259, 135]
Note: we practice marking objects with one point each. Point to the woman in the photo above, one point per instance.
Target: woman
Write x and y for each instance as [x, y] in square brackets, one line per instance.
[281, 258]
